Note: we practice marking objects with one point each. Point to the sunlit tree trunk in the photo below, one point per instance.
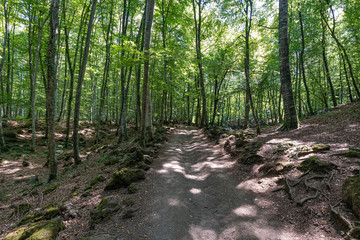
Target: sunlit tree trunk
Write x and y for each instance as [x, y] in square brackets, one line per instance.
[290, 118]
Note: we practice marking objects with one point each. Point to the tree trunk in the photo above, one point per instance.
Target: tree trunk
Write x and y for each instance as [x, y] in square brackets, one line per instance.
[51, 87]
[302, 65]
[327, 72]
[290, 121]
[204, 119]
[146, 124]
[79, 86]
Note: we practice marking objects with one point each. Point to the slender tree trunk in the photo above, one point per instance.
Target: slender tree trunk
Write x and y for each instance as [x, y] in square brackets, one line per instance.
[51, 87]
[198, 22]
[146, 124]
[303, 67]
[6, 13]
[247, 60]
[290, 121]
[80, 81]
[327, 72]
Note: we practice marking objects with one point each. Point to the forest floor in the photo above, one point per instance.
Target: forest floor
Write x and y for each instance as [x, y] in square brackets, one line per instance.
[195, 189]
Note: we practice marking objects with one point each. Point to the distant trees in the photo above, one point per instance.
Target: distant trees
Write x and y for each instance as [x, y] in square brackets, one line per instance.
[196, 62]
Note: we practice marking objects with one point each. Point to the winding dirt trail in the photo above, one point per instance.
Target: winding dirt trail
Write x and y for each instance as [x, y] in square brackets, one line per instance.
[193, 191]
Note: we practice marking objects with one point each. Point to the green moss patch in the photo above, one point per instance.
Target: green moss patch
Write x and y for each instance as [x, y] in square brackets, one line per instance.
[44, 230]
[45, 213]
[124, 177]
[103, 211]
[352, 153]
[351, 193]
[51, 188]
[314, 164]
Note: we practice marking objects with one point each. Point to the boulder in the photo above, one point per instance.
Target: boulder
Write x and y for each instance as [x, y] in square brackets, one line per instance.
[351, 193]
[103, 211]
[320, 147]
[249, 153]
[314, 164]
[48, 212]
[68, 210]
[43, 230]
[124, 177]
[132, 188]
[148, 159]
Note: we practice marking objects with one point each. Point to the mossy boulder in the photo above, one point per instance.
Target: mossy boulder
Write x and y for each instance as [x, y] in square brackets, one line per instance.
[48, 212]
[249, 153]
[95, 181]
[299, 151]
[132, 188]
[314, 164]
[124, 177]
[351, 193]
[101, 236]
[51, 188]
[148, 159]
[352, 153]
[142, 165]
[320, 147]
[128, 201]
[282, 147]
[43, 230]
[103, 211]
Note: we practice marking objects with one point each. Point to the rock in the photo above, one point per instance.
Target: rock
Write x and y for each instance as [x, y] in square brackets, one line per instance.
[51, 188]
[142, 165]
[95, 181]
[351, 193]
[227, 146]
[128, 201]
[103, 211]
[43, 230]
[128, 213]
[25, 163]
[124, 177]
[300, 151]
[249, 153]
[314, 164]
[148, 159]
[132, 188]
[320, 147]
[101, 236]
[48, 212]
[352, 153]
[68, 210]
[282, 147]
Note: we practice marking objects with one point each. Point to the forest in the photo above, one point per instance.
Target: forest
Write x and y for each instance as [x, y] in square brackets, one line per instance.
[92, 87]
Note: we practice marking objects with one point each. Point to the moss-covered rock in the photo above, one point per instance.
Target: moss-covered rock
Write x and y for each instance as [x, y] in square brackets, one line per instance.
[95, 181]
[314, 164]
[320, 147]
[148, 159]
[128, 201]
[45, 213]
[132, 188]
[351, 193]
[100, 236]
[249, 153]
[352, 153]
[142, 165]
[51, 188]
[103, 211]
[282, 147]
[124, 177]
[43, 230]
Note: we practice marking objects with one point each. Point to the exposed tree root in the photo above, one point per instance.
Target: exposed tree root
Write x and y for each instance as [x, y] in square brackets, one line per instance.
[290, 184]
[352, 231]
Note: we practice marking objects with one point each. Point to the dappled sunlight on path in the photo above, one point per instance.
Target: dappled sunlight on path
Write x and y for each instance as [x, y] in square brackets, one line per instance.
[193, 193]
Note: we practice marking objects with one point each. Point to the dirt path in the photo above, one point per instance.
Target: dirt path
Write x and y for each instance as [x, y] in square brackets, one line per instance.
[192, 192]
